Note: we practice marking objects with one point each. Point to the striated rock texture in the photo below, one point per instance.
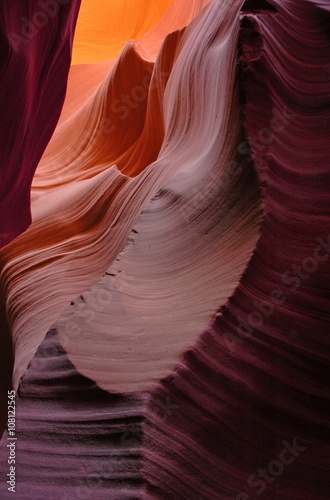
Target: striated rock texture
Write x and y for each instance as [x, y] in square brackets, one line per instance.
[73, 439]
[35, 54]
[183, 258]
[89, 189]
[179, 261]
[255, 384]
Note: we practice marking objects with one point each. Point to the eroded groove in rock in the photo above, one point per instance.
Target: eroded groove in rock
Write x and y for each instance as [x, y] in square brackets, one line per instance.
[191, 245]
[84, 208]
[218, 360]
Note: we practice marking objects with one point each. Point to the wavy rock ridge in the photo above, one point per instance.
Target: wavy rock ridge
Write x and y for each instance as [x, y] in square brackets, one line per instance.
[196, 367]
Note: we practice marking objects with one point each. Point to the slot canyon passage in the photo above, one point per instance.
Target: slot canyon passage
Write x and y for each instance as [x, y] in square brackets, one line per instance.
[164, 249]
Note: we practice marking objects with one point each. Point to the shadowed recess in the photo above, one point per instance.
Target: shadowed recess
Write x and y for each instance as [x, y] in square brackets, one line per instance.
[73, 439]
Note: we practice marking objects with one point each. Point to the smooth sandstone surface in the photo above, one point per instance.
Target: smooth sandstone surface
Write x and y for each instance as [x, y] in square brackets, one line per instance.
[169, 304]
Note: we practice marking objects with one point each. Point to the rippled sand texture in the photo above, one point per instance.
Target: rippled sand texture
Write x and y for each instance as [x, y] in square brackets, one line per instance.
[168, 306]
